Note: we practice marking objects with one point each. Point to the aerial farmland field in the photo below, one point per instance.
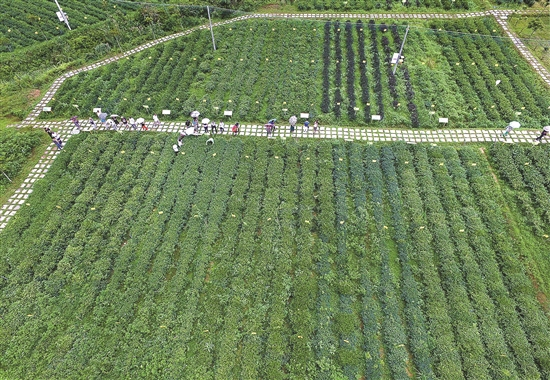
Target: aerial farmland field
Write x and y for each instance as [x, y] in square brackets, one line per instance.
[258, 258]
[406, 238]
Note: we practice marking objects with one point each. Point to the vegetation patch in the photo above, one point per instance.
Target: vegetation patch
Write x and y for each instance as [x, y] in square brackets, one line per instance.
[275, 259]
[338, 72]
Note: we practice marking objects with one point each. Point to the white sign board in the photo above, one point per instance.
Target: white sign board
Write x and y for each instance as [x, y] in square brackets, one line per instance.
[376, 117]
[96, 110]
[166, 112]
[227, 113]
[443, 120]
[304, 115]
[47, 109]
[395, 58]
[60, 16]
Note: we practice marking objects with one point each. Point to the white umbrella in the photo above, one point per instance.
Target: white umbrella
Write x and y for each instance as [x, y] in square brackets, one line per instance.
[190, 131]
[205, 121]
[195, 114]
[114, 115]
[140, 120]
[293, 120]
[547, 128]
[515, 124]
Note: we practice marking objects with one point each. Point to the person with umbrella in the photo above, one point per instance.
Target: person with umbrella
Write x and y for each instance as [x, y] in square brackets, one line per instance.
[512, 125]
[545, 132]
[156, 121]
[141, 121]
[133, 123]
[293, 120]
[195, 122]
[205, 122]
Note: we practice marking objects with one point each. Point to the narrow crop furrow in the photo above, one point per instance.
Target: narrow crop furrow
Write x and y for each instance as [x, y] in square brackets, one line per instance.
[510, 171]
[376, 69]
[304, 288]
[240, 288]
[497, 353]
[325, 102]
[338, 71]
[277, 326]
[347, 320]
[416, 321]
[464, 322]
[393, 332]
[446, 359]
[505, 308]
[363, 79]
[266, 261]
[534, 321]
[325, 341]
[350, 72]
[83, 259]
[358, 240]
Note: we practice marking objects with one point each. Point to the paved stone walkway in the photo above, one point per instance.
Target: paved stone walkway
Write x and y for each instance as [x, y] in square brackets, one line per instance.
[410, 136]
[500, 16]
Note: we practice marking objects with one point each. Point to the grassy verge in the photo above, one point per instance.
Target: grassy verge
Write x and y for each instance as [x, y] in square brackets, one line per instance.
[35, 156]
[536, 40]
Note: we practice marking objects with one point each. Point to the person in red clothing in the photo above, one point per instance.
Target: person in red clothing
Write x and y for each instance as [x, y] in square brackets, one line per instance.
[235, 129]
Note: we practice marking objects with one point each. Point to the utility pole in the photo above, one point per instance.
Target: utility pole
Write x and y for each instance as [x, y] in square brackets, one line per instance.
[62, 16]
[401, 50]
[211, 31]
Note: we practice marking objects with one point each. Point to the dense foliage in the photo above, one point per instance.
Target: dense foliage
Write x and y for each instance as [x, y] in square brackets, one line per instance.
[258, 258]
[262, 68]
[15, 149]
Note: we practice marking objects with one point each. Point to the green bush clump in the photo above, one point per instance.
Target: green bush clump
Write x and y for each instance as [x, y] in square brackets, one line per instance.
[15, 148]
